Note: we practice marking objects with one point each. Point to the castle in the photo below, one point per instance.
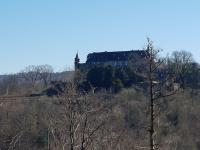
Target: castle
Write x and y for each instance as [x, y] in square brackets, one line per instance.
[116, 59]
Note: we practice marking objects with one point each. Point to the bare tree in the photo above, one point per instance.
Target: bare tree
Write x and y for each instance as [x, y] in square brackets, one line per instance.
[180, 63]
[9, 84]
[81, 121]
[157, 87]
[15, 140]
[31, 74]
[45, 74]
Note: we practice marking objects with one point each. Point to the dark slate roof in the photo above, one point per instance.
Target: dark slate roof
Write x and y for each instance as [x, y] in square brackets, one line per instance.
[114, 56]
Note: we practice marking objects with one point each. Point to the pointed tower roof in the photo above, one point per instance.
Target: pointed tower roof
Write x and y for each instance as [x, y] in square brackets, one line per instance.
[77, 58]
[77, 55]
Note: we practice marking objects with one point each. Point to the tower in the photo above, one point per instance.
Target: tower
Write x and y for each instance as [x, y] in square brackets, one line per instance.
[76, 62]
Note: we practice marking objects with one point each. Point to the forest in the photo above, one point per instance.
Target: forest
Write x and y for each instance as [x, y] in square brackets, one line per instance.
[152, 104]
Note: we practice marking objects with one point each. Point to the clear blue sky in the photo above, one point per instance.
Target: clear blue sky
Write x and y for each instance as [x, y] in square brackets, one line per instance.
[34, 32]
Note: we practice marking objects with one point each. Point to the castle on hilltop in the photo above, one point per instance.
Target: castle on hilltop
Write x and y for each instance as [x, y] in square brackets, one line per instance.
[118, 59]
